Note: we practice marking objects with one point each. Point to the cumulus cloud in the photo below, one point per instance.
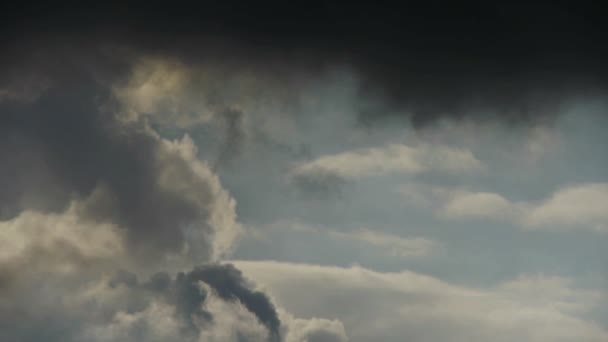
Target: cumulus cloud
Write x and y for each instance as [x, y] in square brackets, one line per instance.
[422, 308]
[314, 330]
[57, 243]
[89, 192]
[189, 307]
[65, 288]
[66, 144]
[576, 206]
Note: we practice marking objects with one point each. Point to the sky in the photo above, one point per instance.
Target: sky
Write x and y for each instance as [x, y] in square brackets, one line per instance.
[307, 172]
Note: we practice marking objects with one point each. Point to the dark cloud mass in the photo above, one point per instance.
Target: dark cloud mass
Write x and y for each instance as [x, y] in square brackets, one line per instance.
[186, 294]
[431, 58]
[230, 285]
[90, 183]
[64, 145]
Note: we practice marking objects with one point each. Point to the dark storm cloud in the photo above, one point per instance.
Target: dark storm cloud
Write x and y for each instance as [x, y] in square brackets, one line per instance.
[433, 60]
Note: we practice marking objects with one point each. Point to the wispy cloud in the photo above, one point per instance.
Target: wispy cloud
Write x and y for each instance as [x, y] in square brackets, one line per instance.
[393, 158]
[392, 244]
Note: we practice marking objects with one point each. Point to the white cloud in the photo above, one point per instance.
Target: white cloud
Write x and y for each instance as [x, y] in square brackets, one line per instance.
[187, 182]
[582, 206]
[313, 329]
[460, 203]
[407, 306]
[579, 206]
[393, 158]
[479, 205]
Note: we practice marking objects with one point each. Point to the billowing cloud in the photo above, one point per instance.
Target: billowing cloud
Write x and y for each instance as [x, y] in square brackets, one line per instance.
[126, 142]
[60, 283]
[422, 308]
[186, 308]
[89, 192]
[165, 198]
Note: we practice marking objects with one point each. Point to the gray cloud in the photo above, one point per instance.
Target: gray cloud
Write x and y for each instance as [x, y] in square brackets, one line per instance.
[92, 183]
[230, 285]
[234, 136]
[69, 144]
[87, 193]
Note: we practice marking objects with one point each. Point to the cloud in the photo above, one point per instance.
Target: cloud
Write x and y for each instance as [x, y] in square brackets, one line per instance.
[88, 195]
[99, 175]
[24, 89]
[472, 205]
[229, 284]
[460, 203]
[314, 330]
[393, 245]
[67, 145]
[582, 206]
[63, 244]
[184, 308]
[409, 306]
[548, 55]
[393, 158]
[162, 89]
[234, 136]
[59, 284]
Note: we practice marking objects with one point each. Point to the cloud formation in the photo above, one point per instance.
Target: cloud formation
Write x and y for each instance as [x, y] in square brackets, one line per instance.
[421, 308]
[126, 141]
[89, 193]
[574, 206]
[394, 158]
[391, 244]
[580, 206]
